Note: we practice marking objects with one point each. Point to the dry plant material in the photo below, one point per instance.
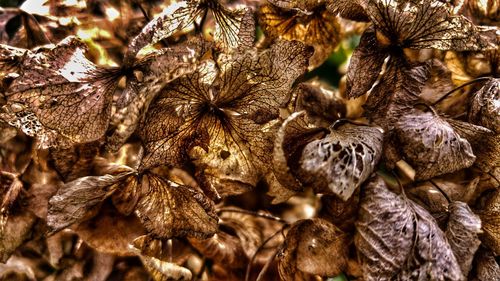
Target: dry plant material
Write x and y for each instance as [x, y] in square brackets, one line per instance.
[209, 140]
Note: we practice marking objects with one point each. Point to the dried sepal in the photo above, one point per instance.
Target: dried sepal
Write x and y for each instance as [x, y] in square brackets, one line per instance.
[313, 246]
[233, 29]
[490, 218]
[76, 199]
[291, 138]
[431, 146]
[157, 70]
[395, 237]
[61, 96]
[170, 210]
[485, 106]
[462, 234]
[349, 9]
[15, 232]
[365, 65]
[342, 160]
[316, 27]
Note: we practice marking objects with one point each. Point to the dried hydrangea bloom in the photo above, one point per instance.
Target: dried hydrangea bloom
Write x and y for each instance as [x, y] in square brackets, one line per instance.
[233, 28]
[28, 35]
[305, 21]
[218, 117]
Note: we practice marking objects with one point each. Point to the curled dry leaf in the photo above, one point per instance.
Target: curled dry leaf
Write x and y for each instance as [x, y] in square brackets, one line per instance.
[74, 201]
[303, 21]
[313, 246]
[170, 210]
[224, 114]
[490, 218]
[341, 161]
[322, 103]
[60, 96]
[11, 187]
[431, 146]
[293, 135]
[485, 107]
[397, 238]
[462, 234]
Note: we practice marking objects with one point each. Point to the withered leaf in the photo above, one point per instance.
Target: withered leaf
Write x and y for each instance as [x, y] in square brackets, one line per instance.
[224, 114]
[462, 233]
[20, 29]
[61, 96]
[365, 64]
[398, 239]
[431, 146]
[485, 106]
[313, 246]
[317, 27]
[76, 199]
[490, 218]
[421, 24]
[17, 230]
[291, 138]
[233, 28]
[322, 103]
[170, 210]
[343, 160]
[349, 9]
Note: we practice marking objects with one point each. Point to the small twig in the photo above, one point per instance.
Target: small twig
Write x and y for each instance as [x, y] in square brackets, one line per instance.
[254, 256]
[252, 213]
[479, 79]
[440, 190]
[267, 265]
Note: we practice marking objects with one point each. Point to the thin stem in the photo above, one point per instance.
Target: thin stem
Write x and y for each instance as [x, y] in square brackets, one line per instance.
[249, 266]
[428, 107]
[252, 213]
[267, 265]
[440, 190]
[479, 79]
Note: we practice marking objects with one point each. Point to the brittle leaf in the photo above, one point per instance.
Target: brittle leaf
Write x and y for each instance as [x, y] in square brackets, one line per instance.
[63, 92]
[462, 234]
[485, 106]
[490, 218]
[343, 160]
[397, 238]
[431, 146]
[169, 210]
[74, 201]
